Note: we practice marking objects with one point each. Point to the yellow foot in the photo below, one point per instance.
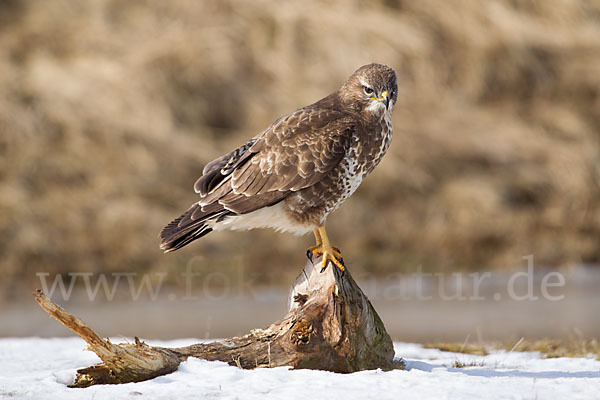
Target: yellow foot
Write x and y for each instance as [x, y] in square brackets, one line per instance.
[323, 248]
[331, 254]
[317, 251]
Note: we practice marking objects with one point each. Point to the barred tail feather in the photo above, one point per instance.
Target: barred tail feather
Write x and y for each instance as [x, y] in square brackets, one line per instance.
[191, 225]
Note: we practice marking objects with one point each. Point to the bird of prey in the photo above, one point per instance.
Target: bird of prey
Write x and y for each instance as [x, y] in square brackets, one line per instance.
[293, 174]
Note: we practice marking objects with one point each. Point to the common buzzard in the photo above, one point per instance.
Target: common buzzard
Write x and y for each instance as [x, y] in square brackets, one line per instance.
[302, 167]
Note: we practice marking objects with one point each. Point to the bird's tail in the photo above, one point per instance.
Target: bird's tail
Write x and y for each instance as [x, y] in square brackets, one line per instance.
[191, 225]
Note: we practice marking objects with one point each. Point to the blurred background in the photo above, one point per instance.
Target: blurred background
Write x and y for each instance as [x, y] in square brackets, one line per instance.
[110, 109]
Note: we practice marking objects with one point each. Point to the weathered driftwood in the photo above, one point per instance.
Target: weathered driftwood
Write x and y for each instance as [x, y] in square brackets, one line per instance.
[330, 325]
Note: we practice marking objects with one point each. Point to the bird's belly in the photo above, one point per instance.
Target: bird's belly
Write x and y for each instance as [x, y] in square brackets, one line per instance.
[274, 217]
[351, 175]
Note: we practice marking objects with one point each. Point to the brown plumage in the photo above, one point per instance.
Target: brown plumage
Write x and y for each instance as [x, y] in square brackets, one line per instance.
[303, 166]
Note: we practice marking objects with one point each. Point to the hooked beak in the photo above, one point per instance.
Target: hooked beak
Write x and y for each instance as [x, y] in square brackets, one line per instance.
[385, 98]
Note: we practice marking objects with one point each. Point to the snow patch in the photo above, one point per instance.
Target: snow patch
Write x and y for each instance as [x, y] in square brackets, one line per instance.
[34, 368]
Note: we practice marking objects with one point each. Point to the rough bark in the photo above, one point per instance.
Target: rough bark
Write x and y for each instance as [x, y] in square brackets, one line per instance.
[330, 325]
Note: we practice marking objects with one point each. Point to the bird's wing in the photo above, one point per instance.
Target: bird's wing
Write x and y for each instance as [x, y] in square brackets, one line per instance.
[295, 152]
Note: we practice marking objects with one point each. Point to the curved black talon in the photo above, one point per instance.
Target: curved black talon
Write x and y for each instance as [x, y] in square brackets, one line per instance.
[341, 260]
[327, 265]
[309, 255]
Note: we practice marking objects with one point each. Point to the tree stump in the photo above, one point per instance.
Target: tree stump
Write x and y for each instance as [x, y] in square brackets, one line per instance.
[330, 325]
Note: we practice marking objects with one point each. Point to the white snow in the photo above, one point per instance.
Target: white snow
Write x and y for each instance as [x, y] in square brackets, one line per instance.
[34, 368]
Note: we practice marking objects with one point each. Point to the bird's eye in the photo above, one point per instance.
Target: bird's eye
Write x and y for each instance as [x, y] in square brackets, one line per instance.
[368, 90]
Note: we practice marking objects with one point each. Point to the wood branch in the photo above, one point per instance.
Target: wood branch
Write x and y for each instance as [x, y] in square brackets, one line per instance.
[330, 325]
[122, 363]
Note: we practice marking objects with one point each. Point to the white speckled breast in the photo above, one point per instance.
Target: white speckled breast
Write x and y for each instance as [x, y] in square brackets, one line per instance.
[361, 159]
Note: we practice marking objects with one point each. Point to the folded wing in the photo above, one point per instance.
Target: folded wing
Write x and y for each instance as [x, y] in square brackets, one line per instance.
[295, 152]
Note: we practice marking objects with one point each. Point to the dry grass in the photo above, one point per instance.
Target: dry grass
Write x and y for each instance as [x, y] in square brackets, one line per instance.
[554, 348]
[463, 364]
[549, 348]
[458, 348]
[110, 109]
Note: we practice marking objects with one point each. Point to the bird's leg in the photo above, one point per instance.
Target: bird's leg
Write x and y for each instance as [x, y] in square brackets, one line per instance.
[324, 248]
[316, 250]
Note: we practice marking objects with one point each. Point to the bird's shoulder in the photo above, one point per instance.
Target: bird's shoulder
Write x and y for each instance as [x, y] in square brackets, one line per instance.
[316, 122]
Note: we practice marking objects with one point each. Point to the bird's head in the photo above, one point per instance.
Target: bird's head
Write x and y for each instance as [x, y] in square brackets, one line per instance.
[372, 89]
